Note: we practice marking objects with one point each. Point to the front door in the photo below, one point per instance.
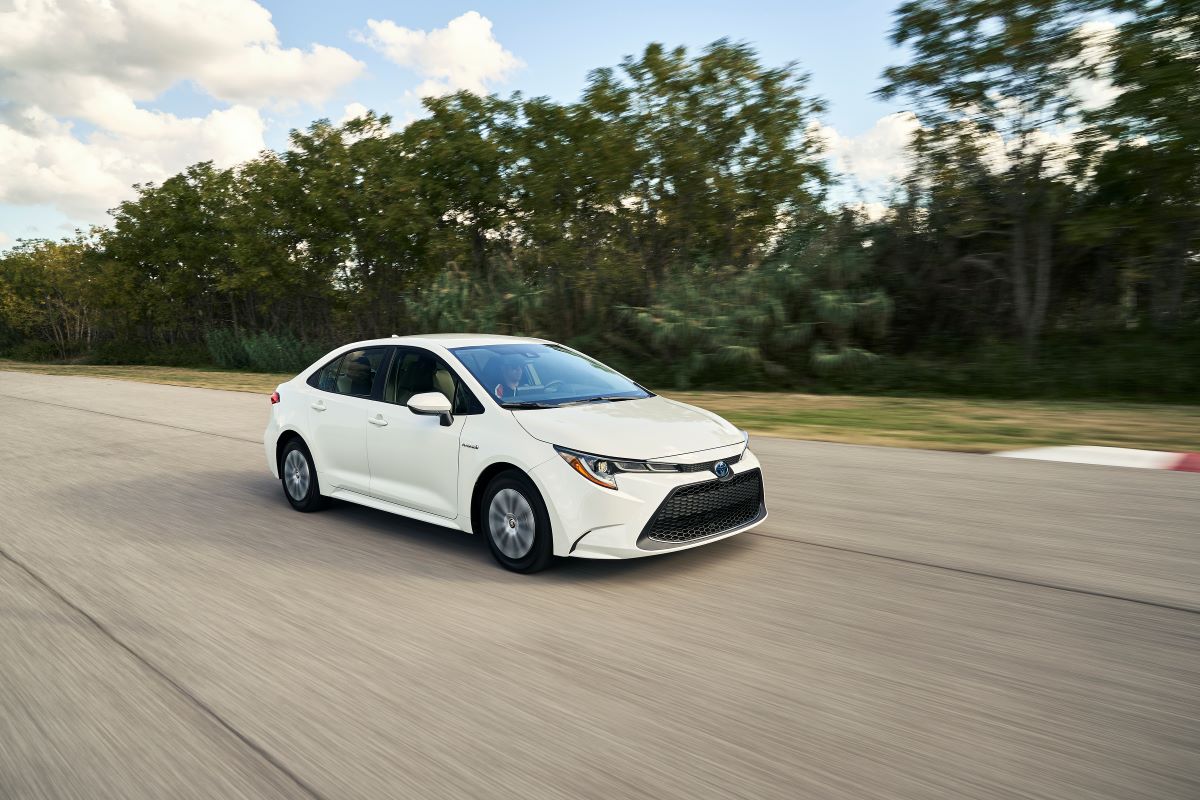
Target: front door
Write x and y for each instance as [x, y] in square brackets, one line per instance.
[414, 458]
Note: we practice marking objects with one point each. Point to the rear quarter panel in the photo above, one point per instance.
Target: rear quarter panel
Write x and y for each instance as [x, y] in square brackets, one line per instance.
[289, 414]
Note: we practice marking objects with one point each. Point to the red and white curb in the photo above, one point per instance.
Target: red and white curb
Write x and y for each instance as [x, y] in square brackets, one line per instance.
[1111, 457]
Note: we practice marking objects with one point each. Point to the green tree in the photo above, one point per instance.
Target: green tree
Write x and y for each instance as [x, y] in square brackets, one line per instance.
[939, 255]
[170, 251]
[997, 74]
[47, 293]
[573, 175]
[392, 224]
[463, 160]
[278, 284]
[723, 155]
[1145, 149]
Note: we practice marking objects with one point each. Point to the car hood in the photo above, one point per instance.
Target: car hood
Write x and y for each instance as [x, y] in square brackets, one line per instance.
[653, 427]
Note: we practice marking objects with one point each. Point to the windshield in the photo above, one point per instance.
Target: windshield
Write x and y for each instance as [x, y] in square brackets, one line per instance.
[544, 376]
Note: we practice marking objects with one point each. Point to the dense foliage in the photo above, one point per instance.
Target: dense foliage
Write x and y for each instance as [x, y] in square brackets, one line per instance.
[675, 221]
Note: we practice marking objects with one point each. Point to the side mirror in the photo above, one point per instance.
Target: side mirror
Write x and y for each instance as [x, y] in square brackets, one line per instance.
[432, 404]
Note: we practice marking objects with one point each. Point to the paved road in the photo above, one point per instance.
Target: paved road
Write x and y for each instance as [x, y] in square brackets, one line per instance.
[906, 625]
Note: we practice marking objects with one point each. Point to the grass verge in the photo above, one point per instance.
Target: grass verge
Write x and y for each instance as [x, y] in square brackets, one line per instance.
[955, 424]
[929, 423]
[203, 378]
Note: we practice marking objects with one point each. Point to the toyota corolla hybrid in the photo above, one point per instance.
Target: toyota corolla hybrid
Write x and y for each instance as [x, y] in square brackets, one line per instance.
[541, 450]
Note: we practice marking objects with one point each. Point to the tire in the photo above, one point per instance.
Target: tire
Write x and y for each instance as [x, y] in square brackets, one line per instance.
[298, 476]
[515, 523]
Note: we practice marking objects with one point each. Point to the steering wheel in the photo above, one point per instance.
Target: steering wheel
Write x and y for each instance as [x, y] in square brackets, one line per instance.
[553, 386]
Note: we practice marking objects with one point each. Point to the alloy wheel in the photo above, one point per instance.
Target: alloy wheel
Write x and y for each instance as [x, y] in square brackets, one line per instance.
[296, 475]
[511, 523]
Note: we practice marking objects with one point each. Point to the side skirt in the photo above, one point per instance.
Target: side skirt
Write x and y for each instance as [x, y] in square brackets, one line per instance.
[393, 508]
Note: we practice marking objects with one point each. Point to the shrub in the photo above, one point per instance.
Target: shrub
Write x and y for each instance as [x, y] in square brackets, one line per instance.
[456, 302]
[227, 349]
[785, 323]
[33, 350]
[1115, 365]
[117, 351]
[269, 352]
[261, 352]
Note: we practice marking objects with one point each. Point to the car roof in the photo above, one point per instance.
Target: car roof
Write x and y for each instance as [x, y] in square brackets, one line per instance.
[449, 340]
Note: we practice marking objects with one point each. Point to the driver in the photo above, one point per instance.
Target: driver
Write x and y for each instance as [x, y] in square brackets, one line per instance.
[510, 377]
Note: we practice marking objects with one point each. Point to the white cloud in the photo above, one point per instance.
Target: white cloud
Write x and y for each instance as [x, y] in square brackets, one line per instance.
[874, 158]
[43, 161]
[63, 62]
[4, 239]
[75, 57]
[352, 111]
[258, 73]
[462, 55]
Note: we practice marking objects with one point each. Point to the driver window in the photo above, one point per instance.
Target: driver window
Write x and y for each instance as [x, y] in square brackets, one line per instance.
[416, 372]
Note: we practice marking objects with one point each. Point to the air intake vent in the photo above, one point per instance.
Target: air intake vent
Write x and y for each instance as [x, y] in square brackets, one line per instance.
[700, 510]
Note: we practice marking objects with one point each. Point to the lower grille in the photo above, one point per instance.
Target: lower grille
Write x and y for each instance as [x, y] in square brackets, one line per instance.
[700, 510]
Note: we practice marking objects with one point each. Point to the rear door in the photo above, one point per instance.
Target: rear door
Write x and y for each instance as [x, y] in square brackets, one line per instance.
[337, 417]
[414, 458]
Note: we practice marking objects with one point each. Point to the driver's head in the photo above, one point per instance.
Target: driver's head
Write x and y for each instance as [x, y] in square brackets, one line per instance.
[510, 369]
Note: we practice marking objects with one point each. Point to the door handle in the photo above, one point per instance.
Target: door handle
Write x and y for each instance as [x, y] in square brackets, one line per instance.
[378, 420]
[319, 405]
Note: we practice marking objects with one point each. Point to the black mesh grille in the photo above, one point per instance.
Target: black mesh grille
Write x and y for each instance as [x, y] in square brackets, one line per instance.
[706, 509]
[707, 465]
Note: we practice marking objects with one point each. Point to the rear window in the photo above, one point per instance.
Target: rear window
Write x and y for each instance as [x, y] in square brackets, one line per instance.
[352, 374]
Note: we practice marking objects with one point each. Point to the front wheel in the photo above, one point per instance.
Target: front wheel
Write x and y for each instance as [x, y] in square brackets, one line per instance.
[299, 478]
[516, 524]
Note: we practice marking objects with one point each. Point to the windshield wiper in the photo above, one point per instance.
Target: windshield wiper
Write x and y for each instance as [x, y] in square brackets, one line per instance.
[530, 404]
[601, 399]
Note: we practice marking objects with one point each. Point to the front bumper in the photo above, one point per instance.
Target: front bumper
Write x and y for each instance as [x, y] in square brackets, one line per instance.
[594, 522]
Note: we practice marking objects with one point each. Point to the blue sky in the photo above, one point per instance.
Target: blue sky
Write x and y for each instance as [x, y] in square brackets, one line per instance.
[194, 80]
[843, 45]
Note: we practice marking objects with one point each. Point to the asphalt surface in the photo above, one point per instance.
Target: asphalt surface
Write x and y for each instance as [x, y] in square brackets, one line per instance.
[907, 624]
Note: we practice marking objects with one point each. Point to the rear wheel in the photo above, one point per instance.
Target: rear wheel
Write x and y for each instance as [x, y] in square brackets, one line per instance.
[516, 524]
[299, 478]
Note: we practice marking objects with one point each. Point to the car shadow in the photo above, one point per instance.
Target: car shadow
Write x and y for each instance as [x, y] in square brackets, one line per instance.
[456, 544]
[244, 514]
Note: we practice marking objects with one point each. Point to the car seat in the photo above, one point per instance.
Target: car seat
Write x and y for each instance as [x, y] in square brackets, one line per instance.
[416, 378]
[443, 382]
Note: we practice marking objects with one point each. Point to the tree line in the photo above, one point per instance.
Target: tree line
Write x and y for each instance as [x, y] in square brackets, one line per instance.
[676, 221]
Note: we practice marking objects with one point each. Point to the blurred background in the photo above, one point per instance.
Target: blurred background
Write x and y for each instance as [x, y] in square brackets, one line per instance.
[683, 220]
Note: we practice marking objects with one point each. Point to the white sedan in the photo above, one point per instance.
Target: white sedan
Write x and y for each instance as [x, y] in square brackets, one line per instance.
[542, 450]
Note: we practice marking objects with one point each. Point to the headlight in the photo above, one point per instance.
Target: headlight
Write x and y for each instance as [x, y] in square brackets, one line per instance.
[597, 469]
[745, 441]
[603, 471]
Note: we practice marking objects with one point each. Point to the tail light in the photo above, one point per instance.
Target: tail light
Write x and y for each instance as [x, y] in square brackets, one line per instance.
[274, 398]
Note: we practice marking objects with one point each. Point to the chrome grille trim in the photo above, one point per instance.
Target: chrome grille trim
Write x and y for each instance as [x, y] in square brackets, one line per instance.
[703, 466]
